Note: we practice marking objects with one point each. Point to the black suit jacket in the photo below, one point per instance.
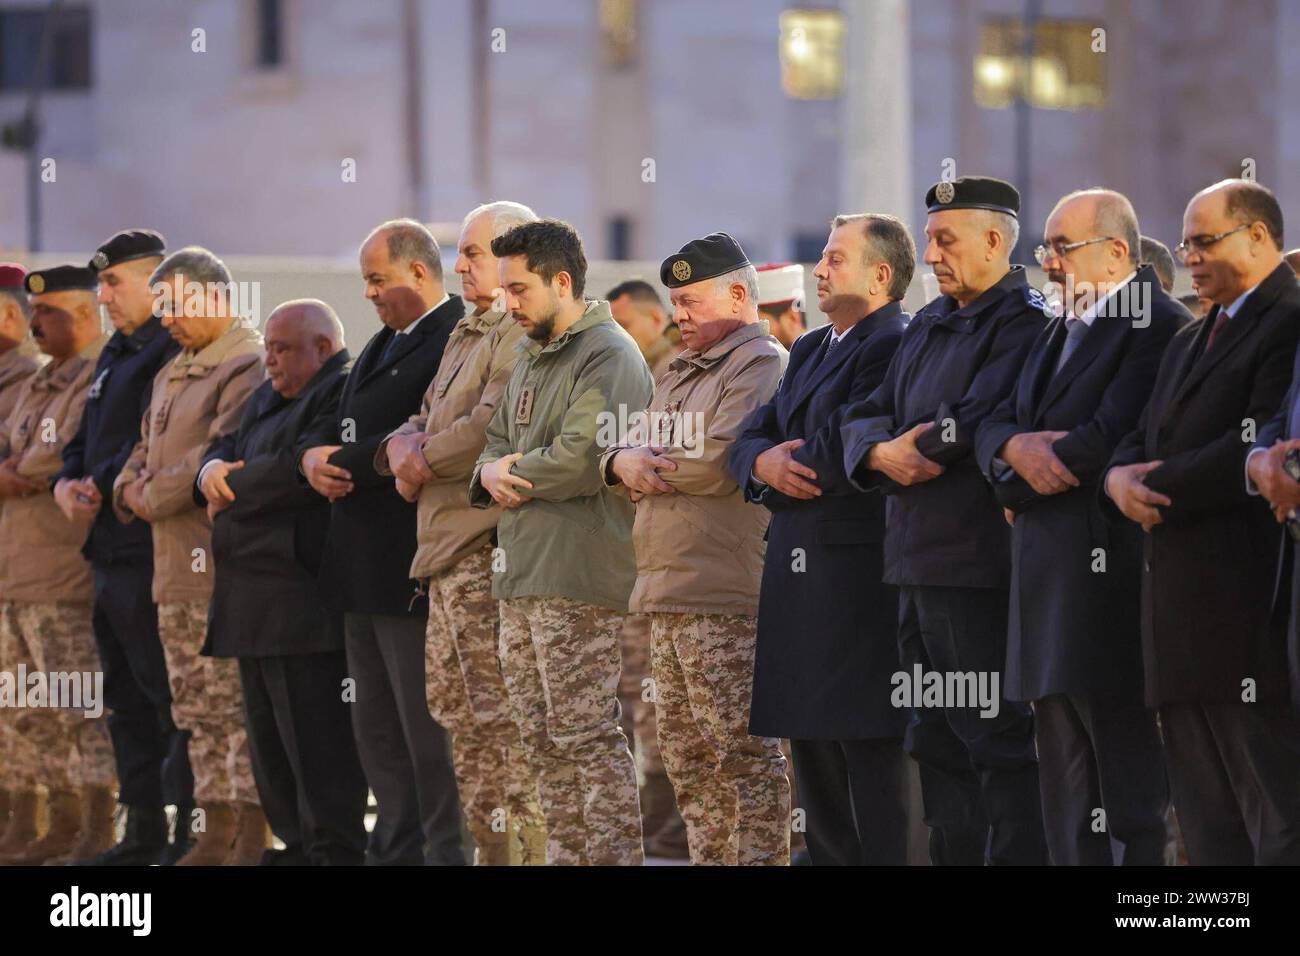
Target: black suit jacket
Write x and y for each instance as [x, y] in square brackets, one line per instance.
[372, 530]
[1210, 566]
[1074, 625]
[267, 545]
[954, 366]
[827, 625]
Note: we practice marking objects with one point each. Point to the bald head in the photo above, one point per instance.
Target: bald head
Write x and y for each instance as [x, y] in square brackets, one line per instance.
[1107, 213]
[301, 336]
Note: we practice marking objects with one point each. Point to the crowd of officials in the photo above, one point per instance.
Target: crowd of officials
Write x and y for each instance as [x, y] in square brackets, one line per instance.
[1036, 542]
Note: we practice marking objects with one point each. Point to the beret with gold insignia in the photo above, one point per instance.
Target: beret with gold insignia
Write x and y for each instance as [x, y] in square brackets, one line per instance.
[60, 279]
[973, 192]
[714, 255]
[127, 245]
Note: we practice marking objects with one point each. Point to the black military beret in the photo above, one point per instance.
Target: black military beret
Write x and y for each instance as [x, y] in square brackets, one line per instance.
[973, 192]
[714, 255]
[127, 245]
[60, 279]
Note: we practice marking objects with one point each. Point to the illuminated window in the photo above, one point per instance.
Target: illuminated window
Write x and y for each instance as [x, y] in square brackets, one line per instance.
[1065, 73]
[812, 54]
[618, 32]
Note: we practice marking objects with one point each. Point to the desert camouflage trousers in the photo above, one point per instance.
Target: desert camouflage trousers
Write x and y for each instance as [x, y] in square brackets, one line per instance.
[467, 695]
[731, 787]
[42, 743]
[206, 701]
[560, 660]
[634, 695]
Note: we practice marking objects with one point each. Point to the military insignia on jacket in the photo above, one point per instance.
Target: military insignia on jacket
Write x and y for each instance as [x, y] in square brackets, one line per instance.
[524, 407]
[97, 386]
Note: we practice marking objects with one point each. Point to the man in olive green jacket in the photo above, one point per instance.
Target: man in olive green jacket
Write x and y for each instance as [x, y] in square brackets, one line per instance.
[699, 549]
[565, 564]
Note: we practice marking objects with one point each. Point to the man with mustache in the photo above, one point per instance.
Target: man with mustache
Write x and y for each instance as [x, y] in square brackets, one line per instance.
[699, 549]
[152, 755]
[1074, 645]
[196, 398]
[45, 618]
[947, 546]
[827, 640]
[1214, 649]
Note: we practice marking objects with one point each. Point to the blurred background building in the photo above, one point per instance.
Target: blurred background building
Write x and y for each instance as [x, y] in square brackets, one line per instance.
[288, 128]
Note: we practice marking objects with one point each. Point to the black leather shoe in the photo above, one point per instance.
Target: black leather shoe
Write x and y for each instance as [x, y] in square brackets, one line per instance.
[145, 837]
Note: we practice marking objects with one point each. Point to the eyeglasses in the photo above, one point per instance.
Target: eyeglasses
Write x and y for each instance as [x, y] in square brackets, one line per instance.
[1202, 242]
[1063, 249]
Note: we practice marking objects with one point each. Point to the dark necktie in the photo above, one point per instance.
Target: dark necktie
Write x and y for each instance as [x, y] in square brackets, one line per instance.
[391, 347]
[1219, 323]
[1075, 330]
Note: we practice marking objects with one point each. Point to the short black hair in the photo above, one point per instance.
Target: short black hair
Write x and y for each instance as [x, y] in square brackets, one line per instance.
[1248, 201]
[550, 246]
[638, 290]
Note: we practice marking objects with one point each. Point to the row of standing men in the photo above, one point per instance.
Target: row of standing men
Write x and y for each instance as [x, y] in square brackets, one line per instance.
[1068, 507]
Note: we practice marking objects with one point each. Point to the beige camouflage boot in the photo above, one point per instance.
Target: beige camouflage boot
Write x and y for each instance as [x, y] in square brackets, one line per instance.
[60, 837]
[97, 806]
[214, 842]
[21, 828]
[250, 836]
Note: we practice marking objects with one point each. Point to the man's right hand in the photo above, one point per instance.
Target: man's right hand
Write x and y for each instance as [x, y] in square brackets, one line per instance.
[330, 481]
[1138, 503]
[899, 460]
[1032, 457]
[215, 487]
[68, 495]
[638, 469]
[1269, 476]
[406, 458]
[778, 469]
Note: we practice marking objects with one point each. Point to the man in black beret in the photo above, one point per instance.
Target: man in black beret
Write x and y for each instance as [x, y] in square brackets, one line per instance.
[947, 545]
[152, 760]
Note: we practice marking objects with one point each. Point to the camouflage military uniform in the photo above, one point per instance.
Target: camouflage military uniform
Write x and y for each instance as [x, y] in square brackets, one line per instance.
[638, 711]
[206, 700]
[69, 748]
[560, 660]
[21, 761]
[731, 787]
[467, 695]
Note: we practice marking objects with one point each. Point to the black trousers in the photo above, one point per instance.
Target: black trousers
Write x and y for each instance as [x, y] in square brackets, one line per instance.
[152, 755]
[1234, 771]
[405, 753]
[979, 774]
[1101, 773]
[304, 759]
[854, 793]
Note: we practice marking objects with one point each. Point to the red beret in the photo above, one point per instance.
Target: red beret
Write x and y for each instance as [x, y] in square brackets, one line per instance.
[11, 276]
